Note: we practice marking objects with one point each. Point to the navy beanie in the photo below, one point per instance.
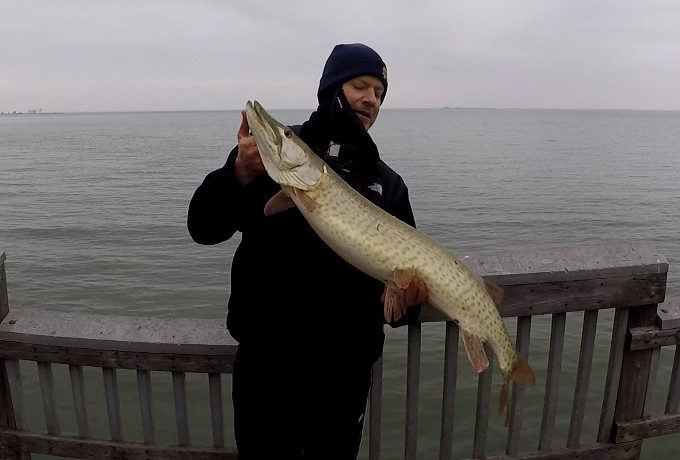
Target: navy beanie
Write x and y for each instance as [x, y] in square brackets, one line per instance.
[349, 61]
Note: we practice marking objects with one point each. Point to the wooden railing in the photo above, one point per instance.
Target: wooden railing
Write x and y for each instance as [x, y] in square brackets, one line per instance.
[628, 278]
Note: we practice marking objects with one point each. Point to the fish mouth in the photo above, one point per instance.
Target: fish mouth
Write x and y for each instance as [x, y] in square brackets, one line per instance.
[260, 120]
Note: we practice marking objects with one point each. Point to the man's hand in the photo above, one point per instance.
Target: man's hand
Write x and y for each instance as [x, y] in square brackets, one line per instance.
[415, 293]
[248, 164]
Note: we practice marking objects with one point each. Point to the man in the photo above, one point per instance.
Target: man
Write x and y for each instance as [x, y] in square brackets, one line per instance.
[309, 325]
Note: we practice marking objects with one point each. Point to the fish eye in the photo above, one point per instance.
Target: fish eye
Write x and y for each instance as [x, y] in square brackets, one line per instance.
[288, 133]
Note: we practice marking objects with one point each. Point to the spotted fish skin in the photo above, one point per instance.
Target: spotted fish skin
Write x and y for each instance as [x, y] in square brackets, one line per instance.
[379, 244]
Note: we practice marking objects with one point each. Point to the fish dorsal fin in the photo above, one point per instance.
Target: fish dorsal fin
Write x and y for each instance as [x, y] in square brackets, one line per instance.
[522, 373]
[496, 293]
[475, 351]
[278, 203]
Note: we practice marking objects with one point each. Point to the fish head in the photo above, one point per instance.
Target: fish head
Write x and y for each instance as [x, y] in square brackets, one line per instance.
[286, 158]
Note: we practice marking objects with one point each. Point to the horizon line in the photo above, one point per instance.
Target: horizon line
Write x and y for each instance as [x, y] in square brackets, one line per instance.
[313, 109]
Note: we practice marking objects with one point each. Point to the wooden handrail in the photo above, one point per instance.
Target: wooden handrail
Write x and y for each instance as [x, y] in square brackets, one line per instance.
[627, 277]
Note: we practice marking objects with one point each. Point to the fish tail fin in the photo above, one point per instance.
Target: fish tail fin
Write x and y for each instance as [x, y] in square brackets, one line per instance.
[521, 373]
[503, 403]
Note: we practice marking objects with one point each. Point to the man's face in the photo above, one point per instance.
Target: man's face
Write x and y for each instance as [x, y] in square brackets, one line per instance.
[363, 94]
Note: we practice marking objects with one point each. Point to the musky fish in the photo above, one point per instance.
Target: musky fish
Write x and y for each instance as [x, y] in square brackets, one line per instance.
[384, 247]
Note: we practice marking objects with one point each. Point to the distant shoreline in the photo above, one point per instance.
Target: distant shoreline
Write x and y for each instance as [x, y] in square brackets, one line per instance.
[31, 113]
[312, 109]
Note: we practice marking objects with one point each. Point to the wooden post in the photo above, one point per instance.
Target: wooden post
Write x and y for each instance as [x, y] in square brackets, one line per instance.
[4, 301]
[637, 371]
[6, 409]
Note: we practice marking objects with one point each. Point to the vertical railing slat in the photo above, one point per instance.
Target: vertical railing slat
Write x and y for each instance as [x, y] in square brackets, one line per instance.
[482, 412]
[449, 393]
[585, 365]
[78, 391]
[611, 385]
[17, 393]
[517, 398]
[112, 403]
[651, 382]
[146, 405]
[179, 391]
[412, 388]
[673, 399]
[375, 407]
[216, 416]
[552, 385]
[46, 379]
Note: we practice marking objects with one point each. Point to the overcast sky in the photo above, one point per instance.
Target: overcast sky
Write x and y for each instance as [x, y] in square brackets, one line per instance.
[215, 55]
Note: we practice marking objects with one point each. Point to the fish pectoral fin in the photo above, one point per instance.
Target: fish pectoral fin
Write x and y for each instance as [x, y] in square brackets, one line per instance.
[496, 293]
[305, 199]
[278, 203]
[475, 351]
[394, 303]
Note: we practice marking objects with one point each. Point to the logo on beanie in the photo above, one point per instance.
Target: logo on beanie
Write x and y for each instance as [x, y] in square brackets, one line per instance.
[384, 73]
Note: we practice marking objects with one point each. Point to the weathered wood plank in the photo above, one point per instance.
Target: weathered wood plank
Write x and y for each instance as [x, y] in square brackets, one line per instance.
[16, 390]
[4, 299]
[585, 364]
[668, 314]
[651, 382]
[552, 385]
[146, 406]
[517, 406]
[412, 390]
[176, 336]
[635, 370]
[673, 399]
[216, 415]
[569, 263]
[626, 451]
[6, 410]
[113, 403]
[78, 391]
[375, 414]
[71, 447]
[449, 391]
[613, 374]
[117, 359]
[180, 396]
[638, 429]
[567, 296]
[49, 401]
[483, 401]
[652, 336]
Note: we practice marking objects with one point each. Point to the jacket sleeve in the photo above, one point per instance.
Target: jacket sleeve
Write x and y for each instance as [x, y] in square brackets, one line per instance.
[401, 209]
[217, 207]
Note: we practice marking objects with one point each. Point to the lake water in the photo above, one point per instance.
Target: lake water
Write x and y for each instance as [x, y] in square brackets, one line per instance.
[93, 212]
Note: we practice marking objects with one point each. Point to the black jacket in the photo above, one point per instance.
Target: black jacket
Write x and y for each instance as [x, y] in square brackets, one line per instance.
[290, 292]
